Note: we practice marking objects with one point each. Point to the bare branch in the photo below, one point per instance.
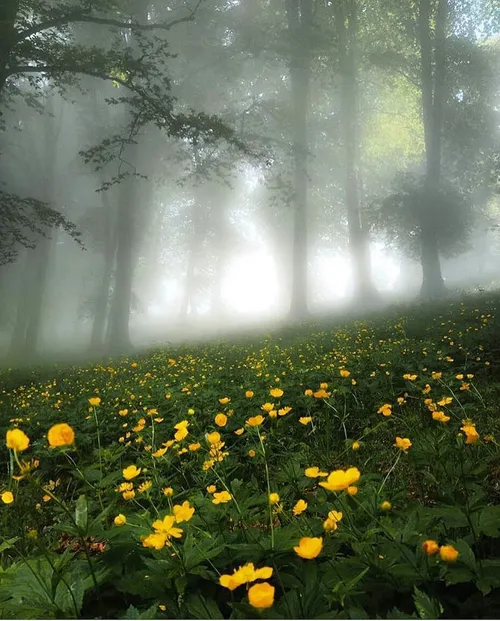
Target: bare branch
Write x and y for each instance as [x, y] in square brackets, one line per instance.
[82, 17]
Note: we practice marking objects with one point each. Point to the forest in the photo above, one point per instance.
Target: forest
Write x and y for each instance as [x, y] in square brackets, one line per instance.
[249, 327]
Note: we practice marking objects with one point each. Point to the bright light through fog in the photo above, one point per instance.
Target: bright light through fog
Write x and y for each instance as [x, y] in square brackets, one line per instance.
[251, 285]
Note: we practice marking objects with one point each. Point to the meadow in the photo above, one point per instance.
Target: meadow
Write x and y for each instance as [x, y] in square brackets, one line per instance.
[323, 471]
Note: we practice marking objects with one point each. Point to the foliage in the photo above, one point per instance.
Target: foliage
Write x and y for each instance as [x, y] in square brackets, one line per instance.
[78, 534]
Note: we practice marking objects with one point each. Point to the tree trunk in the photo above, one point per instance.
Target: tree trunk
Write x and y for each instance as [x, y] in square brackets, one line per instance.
[102, 301]
[347, 26]
[8, 13]
[119, 332]
[432, 108]
[299, 28]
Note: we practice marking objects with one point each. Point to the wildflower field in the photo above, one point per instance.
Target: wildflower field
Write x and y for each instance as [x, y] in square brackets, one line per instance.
[326, 471]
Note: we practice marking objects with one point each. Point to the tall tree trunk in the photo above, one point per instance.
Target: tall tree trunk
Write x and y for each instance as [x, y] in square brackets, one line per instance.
[119, 332]
[299, 16]
[102, 300]
[347, 26]
[433, 84]
[8, 13]
[126, 250]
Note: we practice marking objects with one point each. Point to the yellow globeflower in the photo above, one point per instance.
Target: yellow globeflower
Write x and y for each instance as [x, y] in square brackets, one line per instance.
[7, 498]
[261, 595]
[339, 480]
[448, 554]
[300, 507]
[184, 512]
[305, 420]
[249, 394]
[95, 401]
[276, 393]
[120, 520]
[255, 421]
[314, 472]
[385, 506]
[309, 547]
[402, 443]
[356, 446]
[213, 438]
[385, 410]
[345, 373]
[221, 420]
[168, 491]
[60, 435]
[130, 472]
[274, 498]
[221, 497]
[470, 431]
[224, 400]
[17, 440]
[430, 547]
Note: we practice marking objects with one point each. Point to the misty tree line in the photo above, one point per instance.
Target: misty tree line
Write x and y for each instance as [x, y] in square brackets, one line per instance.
[127, 127]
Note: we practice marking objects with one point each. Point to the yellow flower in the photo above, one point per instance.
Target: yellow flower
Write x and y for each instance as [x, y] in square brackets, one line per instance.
[445, 401]
[128, 495]
[314, 472]
[283, 411]
[300, 507]
[385, 410]
[274, 498]
[160, 452]
[196, 446]
[213, 438]
[321, 394]
[123, 412]
[440, 416]
[221, 420]
[308, 392]
[309, 547]
[211, 489]
[243, 575]
[249, 394]
[470, 431]
[166, 527]
[7, 498]
[465, 386]
[430, 547]
[95, 401]
[221, 497]
[251, 453]
[344, 373]
[339, 480]
[352, 490]
[255, 421]
[180, 434]
[267, 407]
[168, 491]
[402, 443]
[276, 393]
[331, 521]
[191, 412]
[60, 435]
[261, 595]
[130, 472]
[409, 377]
[239, 431]
[155, 540]
[224, 400]
[305, 420]
[448, 554]
[120, 520]
[184, 512]
[144, 487]
[385, 506]
[436, 375]
[427, 389]
[17, 440]
[356, 446]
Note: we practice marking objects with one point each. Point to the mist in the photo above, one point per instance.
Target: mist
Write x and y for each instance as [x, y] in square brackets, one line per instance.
[187, 170]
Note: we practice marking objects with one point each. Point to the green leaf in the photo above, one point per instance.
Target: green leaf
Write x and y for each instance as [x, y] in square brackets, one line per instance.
[489, 521]
[202, 608]
[427, 608]
[134, 613]
[81, 513]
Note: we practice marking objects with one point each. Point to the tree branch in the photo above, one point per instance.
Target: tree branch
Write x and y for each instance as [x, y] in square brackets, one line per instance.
[81, 17]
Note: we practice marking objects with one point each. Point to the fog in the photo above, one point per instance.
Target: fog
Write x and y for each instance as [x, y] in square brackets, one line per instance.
[180, 170]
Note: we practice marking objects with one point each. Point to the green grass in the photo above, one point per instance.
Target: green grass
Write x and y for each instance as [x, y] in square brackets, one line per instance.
[63, 556]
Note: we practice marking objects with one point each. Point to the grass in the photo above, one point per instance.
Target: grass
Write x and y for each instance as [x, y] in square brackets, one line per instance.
[79, 540]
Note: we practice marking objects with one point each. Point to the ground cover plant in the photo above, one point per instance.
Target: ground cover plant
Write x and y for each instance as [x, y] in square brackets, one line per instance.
[324, 471]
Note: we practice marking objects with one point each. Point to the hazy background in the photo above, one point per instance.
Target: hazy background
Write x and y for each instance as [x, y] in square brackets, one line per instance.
[259, 161]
